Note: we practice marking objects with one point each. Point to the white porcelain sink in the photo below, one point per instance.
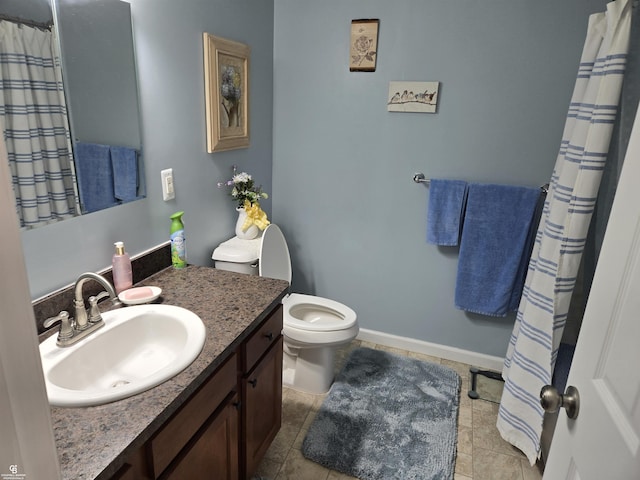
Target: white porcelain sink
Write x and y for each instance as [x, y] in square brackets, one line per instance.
[138, 348]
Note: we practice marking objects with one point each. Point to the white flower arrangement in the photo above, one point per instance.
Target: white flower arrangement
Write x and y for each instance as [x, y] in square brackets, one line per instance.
[243, 189]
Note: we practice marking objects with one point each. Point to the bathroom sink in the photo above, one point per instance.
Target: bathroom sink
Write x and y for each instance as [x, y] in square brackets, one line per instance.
[138, 348]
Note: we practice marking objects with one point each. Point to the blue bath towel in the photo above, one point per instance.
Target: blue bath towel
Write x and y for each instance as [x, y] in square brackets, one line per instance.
[95, 176]
[521, 275]
[124, 161]
[446, 204]
[494, 247]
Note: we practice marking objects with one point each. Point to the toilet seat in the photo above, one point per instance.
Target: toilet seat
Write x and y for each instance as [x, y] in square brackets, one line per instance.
[298, 338]
[318, 314]
[317, 321]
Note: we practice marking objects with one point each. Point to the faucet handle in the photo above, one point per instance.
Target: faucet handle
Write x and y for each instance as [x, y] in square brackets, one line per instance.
[66, 327]
[94, 312]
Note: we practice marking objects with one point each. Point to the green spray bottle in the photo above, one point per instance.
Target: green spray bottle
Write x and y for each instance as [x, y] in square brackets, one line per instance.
[178, 244]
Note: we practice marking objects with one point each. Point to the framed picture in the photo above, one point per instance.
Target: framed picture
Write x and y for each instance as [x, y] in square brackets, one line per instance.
[364, 45]
[420, 97]
[226, 80]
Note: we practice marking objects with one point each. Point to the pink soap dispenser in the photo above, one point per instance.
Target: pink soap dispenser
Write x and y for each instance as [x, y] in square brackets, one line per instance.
[122, 276]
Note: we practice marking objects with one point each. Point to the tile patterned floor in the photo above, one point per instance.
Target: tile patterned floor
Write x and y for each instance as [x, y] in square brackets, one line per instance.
[482, 454]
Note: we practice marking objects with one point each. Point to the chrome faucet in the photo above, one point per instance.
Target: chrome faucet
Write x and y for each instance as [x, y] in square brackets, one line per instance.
[85, 318]
[86, 321]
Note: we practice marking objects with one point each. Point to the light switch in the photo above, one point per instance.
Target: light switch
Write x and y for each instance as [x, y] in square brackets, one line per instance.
[168, 192]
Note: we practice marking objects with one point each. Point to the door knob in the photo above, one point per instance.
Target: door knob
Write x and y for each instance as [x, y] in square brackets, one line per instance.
[552, 401]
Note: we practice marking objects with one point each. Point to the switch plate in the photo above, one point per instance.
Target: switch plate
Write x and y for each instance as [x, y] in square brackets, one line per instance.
[168, 191]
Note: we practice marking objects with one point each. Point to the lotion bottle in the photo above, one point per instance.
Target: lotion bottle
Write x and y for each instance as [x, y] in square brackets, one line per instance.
[122, 276]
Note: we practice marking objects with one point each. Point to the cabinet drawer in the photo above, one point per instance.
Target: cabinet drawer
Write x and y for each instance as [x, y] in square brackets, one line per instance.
[177, 432]
[265, 336]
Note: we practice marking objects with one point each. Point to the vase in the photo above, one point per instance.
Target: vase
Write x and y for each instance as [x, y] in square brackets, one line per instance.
[248, 234]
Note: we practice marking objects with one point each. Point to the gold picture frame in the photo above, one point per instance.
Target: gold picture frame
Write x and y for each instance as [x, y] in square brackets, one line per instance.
[226, 80]
[363, 53]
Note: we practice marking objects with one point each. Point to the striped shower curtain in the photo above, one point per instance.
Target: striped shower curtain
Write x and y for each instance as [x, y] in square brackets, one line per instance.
[561, 235]
[33, 117]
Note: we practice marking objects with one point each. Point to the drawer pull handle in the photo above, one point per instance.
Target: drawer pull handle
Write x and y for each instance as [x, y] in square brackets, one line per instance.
[269, 336]
[237, 404]
[254, 382]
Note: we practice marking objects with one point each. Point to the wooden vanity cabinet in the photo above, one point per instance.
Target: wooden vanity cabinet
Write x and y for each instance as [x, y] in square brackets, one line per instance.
[224, 429]
[261, 392]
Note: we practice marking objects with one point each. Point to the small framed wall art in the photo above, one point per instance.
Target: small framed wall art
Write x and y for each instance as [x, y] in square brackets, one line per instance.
[364, 45]
[420, 97]
[226, 80]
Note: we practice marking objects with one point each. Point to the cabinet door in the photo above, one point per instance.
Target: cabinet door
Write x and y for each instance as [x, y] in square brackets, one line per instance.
[262, 407]
[174, 436]
[213, 453]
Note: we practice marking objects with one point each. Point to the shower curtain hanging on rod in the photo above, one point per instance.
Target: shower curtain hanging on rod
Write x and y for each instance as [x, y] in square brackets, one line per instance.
[35, 125]
[30, 23]
[553, 268]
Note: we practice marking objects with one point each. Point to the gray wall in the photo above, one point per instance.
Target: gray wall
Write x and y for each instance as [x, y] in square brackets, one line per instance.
[168, 41]
[343, 165]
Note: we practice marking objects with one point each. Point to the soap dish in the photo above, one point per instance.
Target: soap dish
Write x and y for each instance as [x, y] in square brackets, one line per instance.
[139, 295]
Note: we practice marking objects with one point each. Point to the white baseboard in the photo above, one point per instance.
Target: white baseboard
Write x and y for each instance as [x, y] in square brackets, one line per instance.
[475, 359]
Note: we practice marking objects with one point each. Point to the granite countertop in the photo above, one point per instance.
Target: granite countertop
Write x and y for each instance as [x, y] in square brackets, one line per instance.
[94, 442]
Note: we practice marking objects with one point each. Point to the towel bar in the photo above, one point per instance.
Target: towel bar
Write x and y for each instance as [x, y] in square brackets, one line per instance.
[420, 178]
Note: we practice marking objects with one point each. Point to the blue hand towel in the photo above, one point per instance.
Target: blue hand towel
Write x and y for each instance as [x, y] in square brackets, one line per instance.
[125, 173]
[494, 247]
[95, 176]
[446, 204]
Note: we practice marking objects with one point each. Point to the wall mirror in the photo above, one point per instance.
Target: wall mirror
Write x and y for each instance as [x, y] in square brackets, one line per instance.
[98, 150]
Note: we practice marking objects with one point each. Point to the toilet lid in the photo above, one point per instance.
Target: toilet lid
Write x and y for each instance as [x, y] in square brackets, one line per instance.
[274, 255]
[237, 250]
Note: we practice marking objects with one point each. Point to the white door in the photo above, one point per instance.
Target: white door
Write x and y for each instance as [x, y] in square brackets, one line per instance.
[603, 441]
[27, 444]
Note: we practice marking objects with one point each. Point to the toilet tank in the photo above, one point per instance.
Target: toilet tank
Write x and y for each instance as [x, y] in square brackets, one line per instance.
[237, 255]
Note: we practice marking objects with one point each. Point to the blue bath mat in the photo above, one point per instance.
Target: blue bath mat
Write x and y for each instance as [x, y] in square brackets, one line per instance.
[388, 417]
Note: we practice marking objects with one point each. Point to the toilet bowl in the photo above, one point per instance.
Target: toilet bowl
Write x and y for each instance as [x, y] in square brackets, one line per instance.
[313, 327]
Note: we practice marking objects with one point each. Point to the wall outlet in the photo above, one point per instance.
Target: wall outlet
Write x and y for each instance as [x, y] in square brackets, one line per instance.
[168, 192]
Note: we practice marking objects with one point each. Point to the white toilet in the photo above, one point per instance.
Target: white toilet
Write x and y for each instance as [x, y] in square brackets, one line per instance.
[313, 326]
